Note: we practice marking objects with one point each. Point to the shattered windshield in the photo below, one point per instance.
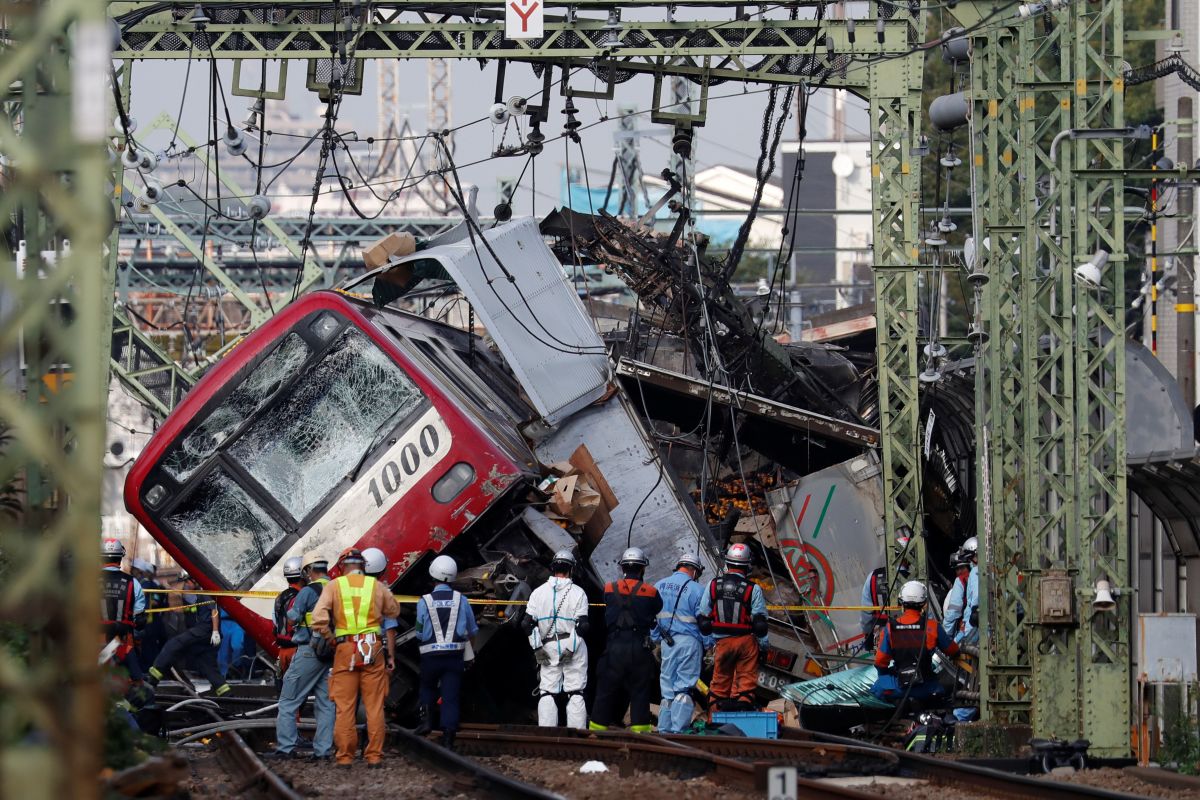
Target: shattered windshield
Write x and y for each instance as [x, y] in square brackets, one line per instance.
[231, 530]
[306, 443]
[183, 459]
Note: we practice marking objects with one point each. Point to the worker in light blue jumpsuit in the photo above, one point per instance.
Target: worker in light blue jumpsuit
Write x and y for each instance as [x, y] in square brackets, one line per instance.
[956, 598]
[682, 644]
[969, 633]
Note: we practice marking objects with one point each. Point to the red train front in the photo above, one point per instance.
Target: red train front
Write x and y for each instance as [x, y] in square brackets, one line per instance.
[335, 424]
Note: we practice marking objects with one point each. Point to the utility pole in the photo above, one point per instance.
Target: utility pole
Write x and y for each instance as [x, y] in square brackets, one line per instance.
[1185, 302]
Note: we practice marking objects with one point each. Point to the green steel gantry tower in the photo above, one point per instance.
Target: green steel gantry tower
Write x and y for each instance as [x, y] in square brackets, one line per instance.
[1046, 134]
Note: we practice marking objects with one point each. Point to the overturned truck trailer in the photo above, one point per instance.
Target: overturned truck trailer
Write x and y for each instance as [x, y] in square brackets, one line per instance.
[344, 422]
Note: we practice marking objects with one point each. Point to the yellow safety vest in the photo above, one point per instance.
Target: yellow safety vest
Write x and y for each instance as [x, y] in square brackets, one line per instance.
[308, 614]
[355, 615]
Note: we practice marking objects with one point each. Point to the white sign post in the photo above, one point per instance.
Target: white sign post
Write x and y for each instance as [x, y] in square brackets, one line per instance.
[782, 783]
[523, 19]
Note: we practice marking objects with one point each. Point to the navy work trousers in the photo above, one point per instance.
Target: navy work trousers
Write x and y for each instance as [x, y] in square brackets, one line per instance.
[441, 673]
[626, 666]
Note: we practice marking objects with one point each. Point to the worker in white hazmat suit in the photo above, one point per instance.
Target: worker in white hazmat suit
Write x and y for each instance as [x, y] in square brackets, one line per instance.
[556, 618]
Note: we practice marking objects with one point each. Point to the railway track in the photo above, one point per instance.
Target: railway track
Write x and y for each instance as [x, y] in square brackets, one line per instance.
[743, 762]
[473, 777]
[949, 772]
[249, 776]
[736, 762]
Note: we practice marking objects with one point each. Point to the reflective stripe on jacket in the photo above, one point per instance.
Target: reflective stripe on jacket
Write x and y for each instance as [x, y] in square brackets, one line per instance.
[443, 607]
[316, 587]
[353, 615]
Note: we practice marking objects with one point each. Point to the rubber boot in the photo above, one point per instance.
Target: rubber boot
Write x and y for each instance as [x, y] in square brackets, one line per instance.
[425, 726]
[448, 740]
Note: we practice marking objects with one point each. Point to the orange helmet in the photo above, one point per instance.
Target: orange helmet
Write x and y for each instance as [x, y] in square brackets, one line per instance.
[351, 554]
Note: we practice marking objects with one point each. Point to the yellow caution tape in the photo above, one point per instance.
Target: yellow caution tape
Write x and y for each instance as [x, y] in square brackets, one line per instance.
[178, 608]
[412, 598]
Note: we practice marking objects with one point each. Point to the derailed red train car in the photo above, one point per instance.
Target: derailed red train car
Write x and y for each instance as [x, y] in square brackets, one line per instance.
[339, 424]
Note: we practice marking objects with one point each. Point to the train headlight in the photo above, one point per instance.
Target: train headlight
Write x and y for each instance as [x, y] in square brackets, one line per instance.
[155, 495]
[325, 326]
[451, 485]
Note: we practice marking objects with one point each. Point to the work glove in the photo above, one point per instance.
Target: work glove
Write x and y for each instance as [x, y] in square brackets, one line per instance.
[657, 653]
[541, 656]
[215, 639]
[567, 657]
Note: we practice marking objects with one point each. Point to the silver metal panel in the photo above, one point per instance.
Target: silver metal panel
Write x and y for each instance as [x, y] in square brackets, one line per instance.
[830, 530]
[554, 537]
[536, 318]
[1167, 648]
[1159, 425]
[667, 525]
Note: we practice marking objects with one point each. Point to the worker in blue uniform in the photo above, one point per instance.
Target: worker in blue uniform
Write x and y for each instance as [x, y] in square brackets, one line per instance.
[308, 673]
[123, 607]
[445, 630]
[681, 643]
[969, 633]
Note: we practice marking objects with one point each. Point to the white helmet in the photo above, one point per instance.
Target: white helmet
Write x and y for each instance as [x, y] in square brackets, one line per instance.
[564, 557]
[970, 548]
[443, 569]
[913, 593]
[376, 561]
[738, 555]
[291, 567]
[634, 556]
[112, 549]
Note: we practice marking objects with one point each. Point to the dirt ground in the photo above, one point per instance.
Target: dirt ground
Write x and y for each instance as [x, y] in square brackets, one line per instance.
[1118, 781]
[404, 779]
[563, 777]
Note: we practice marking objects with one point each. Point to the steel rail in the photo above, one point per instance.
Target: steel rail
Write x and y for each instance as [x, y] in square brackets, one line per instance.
[957, 773]
[485, 781]
[251, 775]
[814, 758]
[1164, 777]
[635, 751]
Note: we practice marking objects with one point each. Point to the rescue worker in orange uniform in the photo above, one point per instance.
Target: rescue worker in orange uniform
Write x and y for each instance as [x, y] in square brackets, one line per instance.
[284, 627]
[627, 666]
[734, 610]
[350, 615]
[905, 655]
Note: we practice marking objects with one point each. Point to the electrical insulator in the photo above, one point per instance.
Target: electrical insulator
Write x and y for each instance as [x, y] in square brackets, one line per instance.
[681, 142]
[235, 143]
[258, 207]
[498, 113]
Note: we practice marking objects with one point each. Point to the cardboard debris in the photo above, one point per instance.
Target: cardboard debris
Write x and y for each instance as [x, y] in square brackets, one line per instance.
[581, 498]
[395, 245]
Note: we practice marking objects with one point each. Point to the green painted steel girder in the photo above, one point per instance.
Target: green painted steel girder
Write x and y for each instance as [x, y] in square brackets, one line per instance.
[759, 50]
[894, 104]
[1050, 399]
[53, 68]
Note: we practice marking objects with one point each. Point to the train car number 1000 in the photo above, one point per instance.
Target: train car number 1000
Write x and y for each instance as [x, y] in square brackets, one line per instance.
[392, 474]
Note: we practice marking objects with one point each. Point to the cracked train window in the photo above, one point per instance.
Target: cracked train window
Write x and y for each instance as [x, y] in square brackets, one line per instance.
[231, 530]
[317, 432]
[256, 389]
